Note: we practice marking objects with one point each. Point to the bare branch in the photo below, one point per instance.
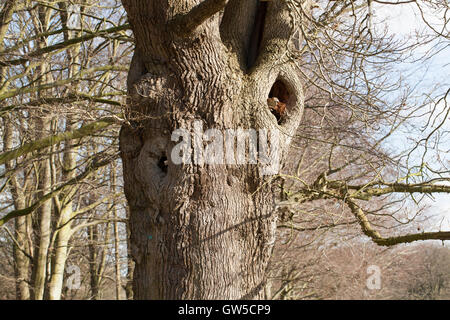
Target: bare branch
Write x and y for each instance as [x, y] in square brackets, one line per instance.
[89, 169]
[55, 139]
[369, 231]
[63, 45]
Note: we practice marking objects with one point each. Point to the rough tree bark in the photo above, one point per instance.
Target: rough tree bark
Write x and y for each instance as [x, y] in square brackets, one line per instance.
[201, 231]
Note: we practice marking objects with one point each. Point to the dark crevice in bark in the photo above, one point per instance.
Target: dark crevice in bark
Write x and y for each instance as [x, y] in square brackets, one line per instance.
[257, 34]
[163, 164]
[280, 91]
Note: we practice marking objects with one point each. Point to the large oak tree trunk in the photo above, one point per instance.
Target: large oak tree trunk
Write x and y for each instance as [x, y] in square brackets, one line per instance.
[199, 230]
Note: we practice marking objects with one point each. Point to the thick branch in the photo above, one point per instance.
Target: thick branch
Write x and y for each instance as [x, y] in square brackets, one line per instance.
[5, 94]
[315, 228]
[325, 189]
[185, 24]
[366, 192]
[369, 231]
[279, 26]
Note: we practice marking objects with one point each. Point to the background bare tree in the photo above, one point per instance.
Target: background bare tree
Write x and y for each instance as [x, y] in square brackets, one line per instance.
[63, 66]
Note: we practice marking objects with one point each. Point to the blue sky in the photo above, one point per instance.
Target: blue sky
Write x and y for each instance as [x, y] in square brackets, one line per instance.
[404, 21]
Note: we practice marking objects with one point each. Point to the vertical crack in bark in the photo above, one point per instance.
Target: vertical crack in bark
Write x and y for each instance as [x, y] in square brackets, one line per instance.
[257, 34]
[236, 28]
[163, 164]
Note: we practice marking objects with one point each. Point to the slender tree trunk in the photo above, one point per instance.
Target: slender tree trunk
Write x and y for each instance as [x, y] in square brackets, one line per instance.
[64, 226]
[103, 255]
[117, 256]
[130, 262]
[60, 255]
[199, 230]
[44, 221]
[43, 128]
[97, 256]
[21, 261]
[93, 266]
[20, 249]
[116, 237]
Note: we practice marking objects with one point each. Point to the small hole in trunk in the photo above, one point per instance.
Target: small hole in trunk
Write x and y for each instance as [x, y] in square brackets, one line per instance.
[278, 100]
[163, 164]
